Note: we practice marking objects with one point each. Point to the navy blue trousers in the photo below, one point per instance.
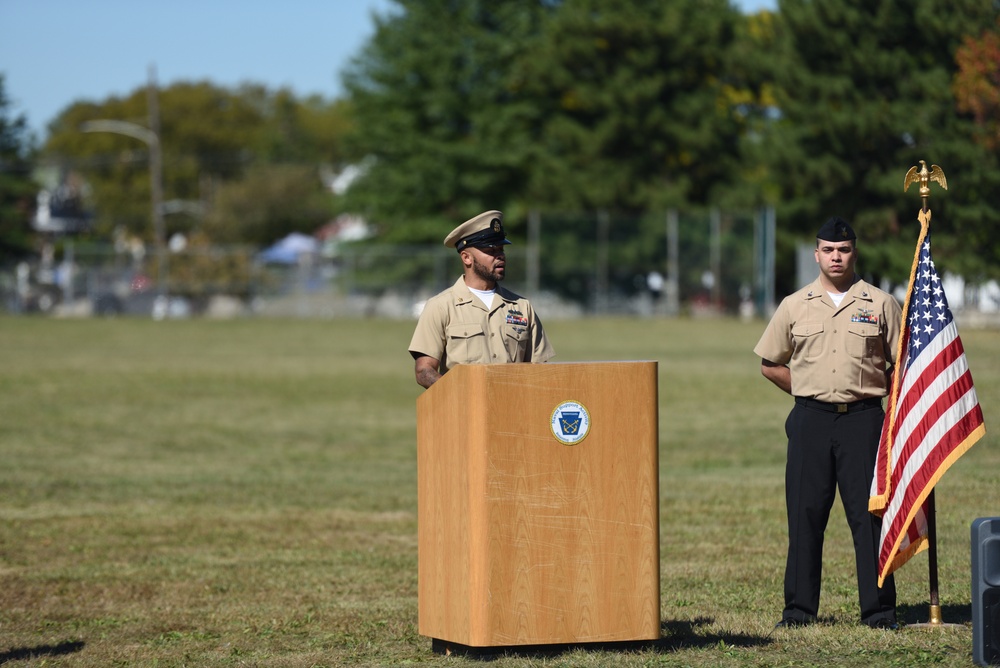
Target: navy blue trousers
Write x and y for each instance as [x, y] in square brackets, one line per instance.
[827, 451]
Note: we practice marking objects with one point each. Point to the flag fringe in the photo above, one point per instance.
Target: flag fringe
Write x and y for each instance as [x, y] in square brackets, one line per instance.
[901, 558]
[877, 504]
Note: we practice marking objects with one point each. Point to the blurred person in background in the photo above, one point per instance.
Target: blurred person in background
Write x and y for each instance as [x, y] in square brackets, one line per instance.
[476, 321]
[832, 345]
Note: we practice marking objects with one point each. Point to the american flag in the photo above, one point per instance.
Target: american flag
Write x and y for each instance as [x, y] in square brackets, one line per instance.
[933, 414]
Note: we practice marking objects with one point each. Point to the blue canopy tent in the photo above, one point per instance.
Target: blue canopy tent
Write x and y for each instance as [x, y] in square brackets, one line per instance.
[289, 249]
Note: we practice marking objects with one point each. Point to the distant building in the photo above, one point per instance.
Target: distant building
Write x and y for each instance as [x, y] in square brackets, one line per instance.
[60, 210]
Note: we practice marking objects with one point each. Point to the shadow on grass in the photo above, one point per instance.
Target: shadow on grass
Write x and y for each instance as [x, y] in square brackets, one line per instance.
[677, 635]
[21, 653]
[920, 614]
[673, 636]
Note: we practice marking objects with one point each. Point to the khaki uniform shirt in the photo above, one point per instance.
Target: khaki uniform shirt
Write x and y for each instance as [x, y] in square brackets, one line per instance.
[835, 354]
[456, 328]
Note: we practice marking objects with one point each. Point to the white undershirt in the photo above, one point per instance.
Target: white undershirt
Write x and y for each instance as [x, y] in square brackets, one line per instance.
[486, 296]
[836, 297]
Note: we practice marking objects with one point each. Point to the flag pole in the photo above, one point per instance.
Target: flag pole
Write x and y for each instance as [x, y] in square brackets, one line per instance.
[931, 387]
[932, 563]
[935, 621]
[923, 177]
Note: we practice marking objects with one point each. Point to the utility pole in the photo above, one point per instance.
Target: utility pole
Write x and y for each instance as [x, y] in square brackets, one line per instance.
[151, 137]
[533, 254]
[715, 257]
[764, 252]
[673, 293]
[601, 284]
[156, 181]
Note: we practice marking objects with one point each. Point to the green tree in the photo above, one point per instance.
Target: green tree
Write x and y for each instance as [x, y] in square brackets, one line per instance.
[212, 138]
[17, 189]
[436, 114]
[863, 89]
[205, 132]
[749, 90]
[572, 105]
[977, 84]
[269, 202]
[629, 104]
[631, 112]
[299, 131]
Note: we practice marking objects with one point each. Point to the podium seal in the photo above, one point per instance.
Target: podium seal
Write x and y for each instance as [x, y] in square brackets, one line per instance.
[570, 422]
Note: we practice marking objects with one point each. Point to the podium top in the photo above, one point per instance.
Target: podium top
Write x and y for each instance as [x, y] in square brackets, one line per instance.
[533, 369]
[467, 383]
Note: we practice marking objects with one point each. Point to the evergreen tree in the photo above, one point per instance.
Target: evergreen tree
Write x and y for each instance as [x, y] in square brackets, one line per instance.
[17, 189]
[580, 104]
[437, 115]
[630, 108]
[863, 90]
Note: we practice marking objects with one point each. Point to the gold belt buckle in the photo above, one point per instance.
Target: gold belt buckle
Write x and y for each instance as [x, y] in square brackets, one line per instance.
[841, 408]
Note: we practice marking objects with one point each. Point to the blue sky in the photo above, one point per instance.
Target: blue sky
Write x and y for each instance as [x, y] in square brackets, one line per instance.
[56, 52]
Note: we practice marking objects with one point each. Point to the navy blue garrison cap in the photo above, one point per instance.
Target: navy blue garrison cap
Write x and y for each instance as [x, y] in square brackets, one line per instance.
[836, 229]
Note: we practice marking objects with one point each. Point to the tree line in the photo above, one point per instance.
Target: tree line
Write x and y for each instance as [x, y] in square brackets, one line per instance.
[576, 106]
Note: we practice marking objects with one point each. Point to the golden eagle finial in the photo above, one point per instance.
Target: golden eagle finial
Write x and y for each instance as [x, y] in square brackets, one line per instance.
[924, 177]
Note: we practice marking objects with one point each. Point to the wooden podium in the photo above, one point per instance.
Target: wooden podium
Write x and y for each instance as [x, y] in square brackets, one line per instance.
[538, 505]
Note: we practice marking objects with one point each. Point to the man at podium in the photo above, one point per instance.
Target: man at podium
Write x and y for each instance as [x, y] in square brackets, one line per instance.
[476, 321]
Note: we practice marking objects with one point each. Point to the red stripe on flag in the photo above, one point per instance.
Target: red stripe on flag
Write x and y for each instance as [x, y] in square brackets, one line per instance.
[912, 491]
[932, 418]
[946, 401]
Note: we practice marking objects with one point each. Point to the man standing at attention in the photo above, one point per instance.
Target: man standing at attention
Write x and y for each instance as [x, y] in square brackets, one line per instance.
[832, 345]
[476, 321]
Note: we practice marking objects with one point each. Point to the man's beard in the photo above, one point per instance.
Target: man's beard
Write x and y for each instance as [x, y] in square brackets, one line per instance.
[484, 272]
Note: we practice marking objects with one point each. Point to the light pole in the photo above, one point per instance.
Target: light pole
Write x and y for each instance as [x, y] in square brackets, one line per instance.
[151, 137]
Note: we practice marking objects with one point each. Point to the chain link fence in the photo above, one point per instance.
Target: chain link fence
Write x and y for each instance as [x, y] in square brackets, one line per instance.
[570, 265]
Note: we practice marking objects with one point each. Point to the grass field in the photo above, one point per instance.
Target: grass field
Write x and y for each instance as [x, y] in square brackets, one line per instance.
[243, 493]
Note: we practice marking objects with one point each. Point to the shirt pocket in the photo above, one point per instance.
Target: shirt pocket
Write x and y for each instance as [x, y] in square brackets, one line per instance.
[807, 340]
[865, 342]
[516, 340]
[466, 343]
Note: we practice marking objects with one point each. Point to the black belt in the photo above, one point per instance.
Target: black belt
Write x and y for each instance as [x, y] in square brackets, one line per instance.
[874, 402]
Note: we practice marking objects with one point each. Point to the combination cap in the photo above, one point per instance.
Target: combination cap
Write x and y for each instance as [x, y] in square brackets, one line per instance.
[483, 231]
